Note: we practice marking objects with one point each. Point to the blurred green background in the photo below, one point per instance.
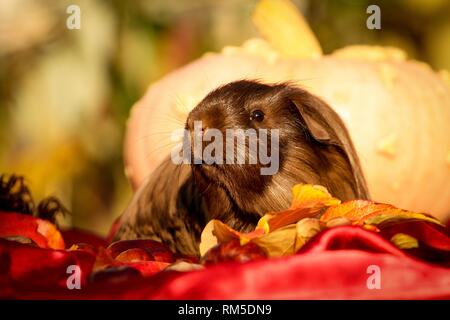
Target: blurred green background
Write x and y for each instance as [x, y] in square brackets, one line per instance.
[65, 94]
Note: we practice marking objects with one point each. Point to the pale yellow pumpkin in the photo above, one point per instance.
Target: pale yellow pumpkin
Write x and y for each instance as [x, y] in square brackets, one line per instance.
[396, 110]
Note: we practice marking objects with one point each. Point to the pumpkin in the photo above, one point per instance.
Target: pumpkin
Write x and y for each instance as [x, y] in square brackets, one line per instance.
[397, 110]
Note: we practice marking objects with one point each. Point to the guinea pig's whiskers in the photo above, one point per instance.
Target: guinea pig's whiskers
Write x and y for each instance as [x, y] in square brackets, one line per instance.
[150, 153]
[180, 102]
[170, 118]
[168, 133]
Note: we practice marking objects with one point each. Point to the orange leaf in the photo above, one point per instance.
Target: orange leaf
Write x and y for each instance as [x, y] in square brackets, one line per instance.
[306, 229]
[278, 243]
[311, 196]
[41, 232]
[393, 215]
[369, 214]
[344, 209]
[307, 201]
[51, 233]
[216, 232]
[223, 232]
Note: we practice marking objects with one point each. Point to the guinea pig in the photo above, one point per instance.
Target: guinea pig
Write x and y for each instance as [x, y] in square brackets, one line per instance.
[312, 146]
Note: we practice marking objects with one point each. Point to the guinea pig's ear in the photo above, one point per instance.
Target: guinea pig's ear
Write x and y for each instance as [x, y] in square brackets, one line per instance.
[326, 127]
[321, 121]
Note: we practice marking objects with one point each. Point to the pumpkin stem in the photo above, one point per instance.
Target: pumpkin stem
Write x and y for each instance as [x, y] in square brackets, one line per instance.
[285, 28]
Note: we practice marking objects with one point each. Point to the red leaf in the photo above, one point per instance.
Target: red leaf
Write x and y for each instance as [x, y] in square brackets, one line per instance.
[41, 232]
[157, 251]
[233, 251]
[34, 268]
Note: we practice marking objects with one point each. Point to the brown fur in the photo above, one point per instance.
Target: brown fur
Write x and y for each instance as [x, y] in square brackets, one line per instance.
[177, 201]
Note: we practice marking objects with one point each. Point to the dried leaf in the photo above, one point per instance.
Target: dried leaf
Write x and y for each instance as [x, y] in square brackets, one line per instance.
[404, 241]
[183, 266]
[393, 215]
[216, 232]
[223, 232]
[51, 233]
[312, 196]
[207, 238]
[369, 214]
[154, 250]
[41, 232]
[346, 209]
[307, 201]
[133, 255]
[234, 251]
[283, 233]
[337, 222]
[136, 257]
[278, 243]
[305, 230]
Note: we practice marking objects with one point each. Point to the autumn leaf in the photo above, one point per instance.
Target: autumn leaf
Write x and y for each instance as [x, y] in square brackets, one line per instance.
[369, 214]
[288, 239]
[234, 251]
[207, 238]
[312, 196]
[133, 255]
[285, 232]
[307, 201]
[275, 232]
[345, 209]
[394, 215]
[404, 241]
[140, 249]
[141, 255]
[41, 232]
[306, 229]
[278, 243]
[216, 232]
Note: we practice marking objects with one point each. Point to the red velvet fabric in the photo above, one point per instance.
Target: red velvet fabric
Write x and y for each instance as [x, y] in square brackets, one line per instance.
[333, 265]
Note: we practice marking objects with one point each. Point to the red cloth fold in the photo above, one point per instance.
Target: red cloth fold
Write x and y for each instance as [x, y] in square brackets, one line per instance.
[338, 263]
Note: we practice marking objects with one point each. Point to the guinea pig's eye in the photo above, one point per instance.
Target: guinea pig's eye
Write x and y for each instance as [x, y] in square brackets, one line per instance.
[257, 115]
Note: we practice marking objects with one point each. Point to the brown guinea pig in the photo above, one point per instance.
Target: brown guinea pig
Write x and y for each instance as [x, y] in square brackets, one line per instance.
[312, 146]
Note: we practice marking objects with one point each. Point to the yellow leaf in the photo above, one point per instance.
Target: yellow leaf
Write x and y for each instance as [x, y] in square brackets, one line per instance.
[278, 243]
[285, 29]
[216, 232]
[305, 230]
[263, 223]
[393, 215]
[307, 201]
[223, 232]
[404, 241]
[246, 237]
[74, 247]
[207, 239]
[51, 233]
[369, 214]
[370, 227]
[349, 210]
[309, 196]
[337, 222]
